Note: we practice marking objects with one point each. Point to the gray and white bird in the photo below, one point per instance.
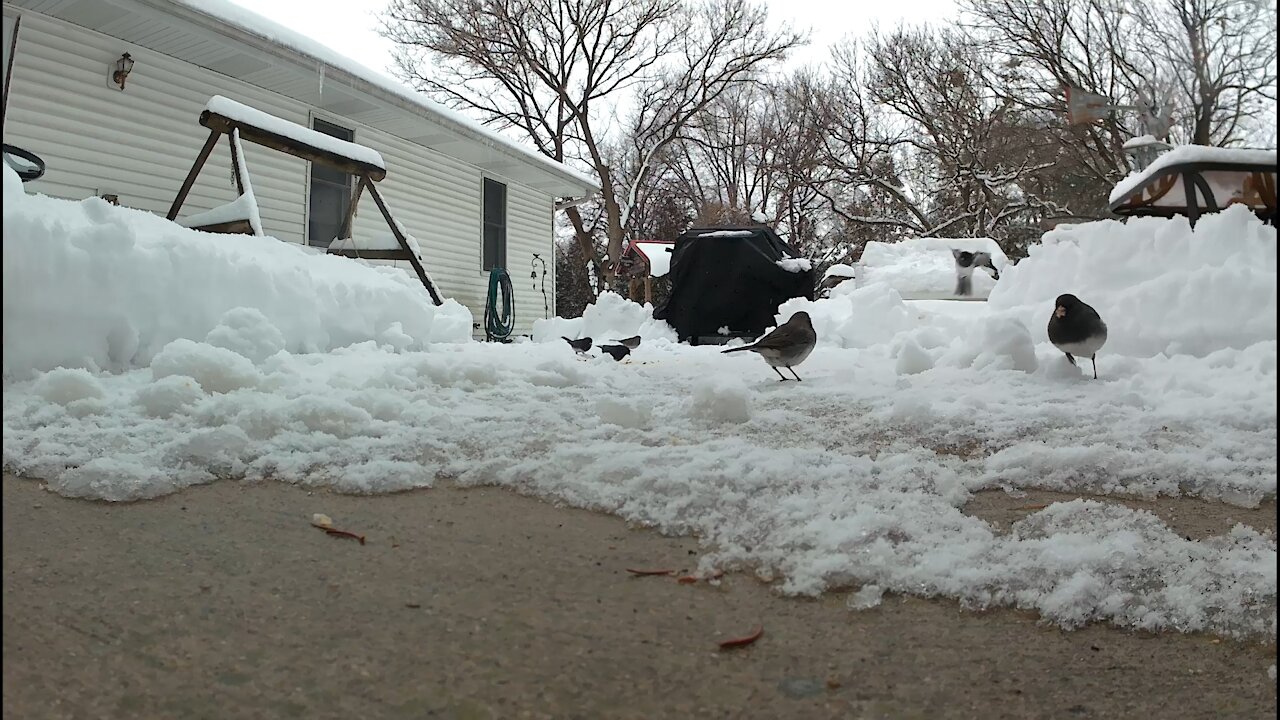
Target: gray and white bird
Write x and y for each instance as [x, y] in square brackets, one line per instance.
[788, 345]
[966, 263]
[631, 343]
[1075, 328]
[581, 345]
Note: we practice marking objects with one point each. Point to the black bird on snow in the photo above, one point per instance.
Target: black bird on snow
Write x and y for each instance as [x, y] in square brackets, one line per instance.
[617, 352]
[1075, 328]
[789, 344]
[631, 343]
[580, 345]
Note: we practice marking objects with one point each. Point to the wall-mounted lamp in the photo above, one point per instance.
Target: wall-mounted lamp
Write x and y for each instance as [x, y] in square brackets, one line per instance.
[123, 67]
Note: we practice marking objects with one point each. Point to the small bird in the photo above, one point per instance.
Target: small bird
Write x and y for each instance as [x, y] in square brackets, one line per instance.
[789, 344]
[580, 345]
[966, 262]
[1075, 328]
[631, 343]
[617, 352]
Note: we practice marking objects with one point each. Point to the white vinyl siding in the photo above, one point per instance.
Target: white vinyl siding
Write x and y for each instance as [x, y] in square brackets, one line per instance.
[140, 143]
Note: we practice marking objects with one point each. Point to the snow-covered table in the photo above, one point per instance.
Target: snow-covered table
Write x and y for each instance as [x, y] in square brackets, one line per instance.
[1192, 180]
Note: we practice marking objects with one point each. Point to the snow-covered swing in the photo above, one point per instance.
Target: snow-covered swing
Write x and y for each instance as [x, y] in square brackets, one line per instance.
[241, 122]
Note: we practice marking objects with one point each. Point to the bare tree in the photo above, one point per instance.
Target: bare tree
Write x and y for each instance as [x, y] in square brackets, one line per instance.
[1212, 61]
[1219, 57]
[557, 70]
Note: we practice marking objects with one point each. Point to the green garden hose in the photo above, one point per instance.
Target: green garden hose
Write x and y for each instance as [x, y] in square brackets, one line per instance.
[498, 325]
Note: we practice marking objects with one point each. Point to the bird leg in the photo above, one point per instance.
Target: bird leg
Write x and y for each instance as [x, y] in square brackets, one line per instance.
[784, 377]
[1070, 359]
[793, 372]
[1094, 358]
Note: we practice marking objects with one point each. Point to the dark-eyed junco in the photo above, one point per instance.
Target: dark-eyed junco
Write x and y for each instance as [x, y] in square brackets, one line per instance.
[789, 344]
[631, 343]
[617, 352]
[965, 263]
[1075, 328]
[580, 345]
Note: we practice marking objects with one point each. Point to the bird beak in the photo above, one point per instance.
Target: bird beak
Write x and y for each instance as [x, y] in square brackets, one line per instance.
[1060, 312]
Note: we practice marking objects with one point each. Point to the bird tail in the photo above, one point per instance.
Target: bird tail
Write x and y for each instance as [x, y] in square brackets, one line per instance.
[737, 349]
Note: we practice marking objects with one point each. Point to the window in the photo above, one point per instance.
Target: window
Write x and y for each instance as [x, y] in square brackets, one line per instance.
[330, 193]
[495, 225]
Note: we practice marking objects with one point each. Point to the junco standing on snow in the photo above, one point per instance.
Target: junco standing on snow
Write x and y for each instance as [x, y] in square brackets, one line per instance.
[617, 352]
[789, 344]
[580, 345]
[631, 343]
[1075, 328]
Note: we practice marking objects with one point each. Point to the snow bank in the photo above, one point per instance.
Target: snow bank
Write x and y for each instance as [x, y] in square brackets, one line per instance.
[925, 267]
[610, 317]
[839, 270]
[1160, 286]
[853, 317]
[91, 285]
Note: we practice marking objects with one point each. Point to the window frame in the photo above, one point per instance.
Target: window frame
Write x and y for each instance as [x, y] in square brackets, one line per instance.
[342, 124]
[504, 243]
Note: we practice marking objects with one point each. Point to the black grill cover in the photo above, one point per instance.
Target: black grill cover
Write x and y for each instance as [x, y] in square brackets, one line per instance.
[729, 281]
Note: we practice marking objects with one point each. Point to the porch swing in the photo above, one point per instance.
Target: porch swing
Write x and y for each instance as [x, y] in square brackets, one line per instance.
[239, 122]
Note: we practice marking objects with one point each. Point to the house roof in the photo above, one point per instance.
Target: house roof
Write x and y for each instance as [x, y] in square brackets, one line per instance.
[234, 41]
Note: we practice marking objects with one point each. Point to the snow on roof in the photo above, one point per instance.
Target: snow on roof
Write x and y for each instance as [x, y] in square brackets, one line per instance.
[250, 22]
[727, 233]
[658, 254]
[1190, 154]
[252, 116]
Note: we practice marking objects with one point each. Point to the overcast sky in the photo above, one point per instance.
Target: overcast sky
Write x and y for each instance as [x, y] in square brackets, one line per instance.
[350, 27]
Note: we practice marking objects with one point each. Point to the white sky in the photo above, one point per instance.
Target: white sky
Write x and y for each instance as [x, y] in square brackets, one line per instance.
[350, 27]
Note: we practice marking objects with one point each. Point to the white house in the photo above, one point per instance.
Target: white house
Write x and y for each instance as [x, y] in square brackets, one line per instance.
[451, 182]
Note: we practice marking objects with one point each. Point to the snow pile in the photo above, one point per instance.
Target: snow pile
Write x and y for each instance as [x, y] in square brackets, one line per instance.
[1161, 286]
[989, 344]
[610, 317]
[839, 270]
[853, 317]
[91, 285]
[794, 264]
[925, 267]
[721, 401]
